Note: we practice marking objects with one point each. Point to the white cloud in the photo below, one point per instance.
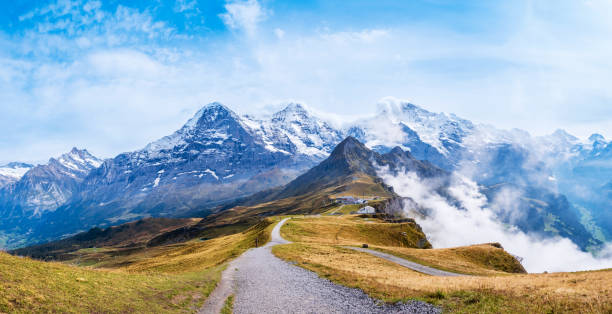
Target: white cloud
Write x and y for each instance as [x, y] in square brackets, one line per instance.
[368, 36]
[474, 223]
[68, 26]
[244, 15]
[184, 5]
[279, 33]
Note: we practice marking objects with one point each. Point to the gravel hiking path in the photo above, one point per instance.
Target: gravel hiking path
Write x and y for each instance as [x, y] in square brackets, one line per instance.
[216, 300]
[263, 283]
[337, 209]
[406, 263]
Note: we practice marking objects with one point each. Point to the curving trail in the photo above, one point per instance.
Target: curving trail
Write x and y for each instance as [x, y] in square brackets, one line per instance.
[406, 263]
[275, 237]
[337, 209]
[263, 283]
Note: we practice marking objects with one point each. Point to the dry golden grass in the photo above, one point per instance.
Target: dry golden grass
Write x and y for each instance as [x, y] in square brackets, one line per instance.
[361, 185]
[584, 292]
[352, 230]
[481, 259]
[196, 255]
[89, 247]
[401, 240]
[316, 202]
[344, 209]
[166, 279]
[30, 286]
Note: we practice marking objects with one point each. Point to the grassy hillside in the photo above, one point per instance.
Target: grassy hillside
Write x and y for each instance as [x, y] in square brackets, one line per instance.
[35, 286]
[583, 292]
[182, 257]
[314, 202]
[194, 255]
[497, 284]
[401, 239]
[178, 277]
[126, 237]
[239, 218]
[163, 279]
[349, 170]
[481, 259]
[353, 230]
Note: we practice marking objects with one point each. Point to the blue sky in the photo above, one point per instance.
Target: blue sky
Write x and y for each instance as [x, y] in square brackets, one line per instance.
[111, 76]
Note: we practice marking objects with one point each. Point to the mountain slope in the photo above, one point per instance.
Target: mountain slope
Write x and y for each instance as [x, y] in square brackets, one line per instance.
[125, 238]
[45, 187]
[39, 191]
[217, 157]
[352, 158]
[207, 160]
[545, 169]
[351, 169]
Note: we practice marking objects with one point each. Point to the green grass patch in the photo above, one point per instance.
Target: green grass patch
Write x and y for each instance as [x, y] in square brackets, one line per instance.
[228, 307]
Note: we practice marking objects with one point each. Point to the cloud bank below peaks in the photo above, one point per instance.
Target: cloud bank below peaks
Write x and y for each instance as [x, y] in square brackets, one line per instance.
[472, 221]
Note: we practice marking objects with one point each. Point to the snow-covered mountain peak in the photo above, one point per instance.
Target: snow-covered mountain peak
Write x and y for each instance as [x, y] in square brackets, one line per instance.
[597, 142]
[563, 135]
[210, 113]
[209, 123]
[309, 134]
[46, 187]
[293, 107]
[15, 170]
[292, 112]
[79, 160]
[436, 129]
[394, 106]
[404, 109]
[17, 164]
[409, 113]
[560, 140]
[597, 138]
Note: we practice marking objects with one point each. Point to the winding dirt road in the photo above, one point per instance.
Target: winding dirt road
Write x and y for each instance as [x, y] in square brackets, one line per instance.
[263, 283]
[406, 263]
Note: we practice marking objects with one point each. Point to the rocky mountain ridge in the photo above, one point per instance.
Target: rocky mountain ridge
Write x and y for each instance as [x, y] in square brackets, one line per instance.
[216, 157]
[219, 156]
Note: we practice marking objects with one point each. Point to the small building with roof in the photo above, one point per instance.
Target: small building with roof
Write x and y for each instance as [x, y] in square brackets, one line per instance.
[367, 210]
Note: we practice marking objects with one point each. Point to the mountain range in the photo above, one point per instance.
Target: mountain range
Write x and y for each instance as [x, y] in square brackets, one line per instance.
[350, 169]
[220, 159]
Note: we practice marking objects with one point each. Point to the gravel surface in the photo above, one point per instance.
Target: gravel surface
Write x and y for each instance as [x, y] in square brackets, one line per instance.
[406, 263]
[267, 284]
[263, 283]
[337, 209]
